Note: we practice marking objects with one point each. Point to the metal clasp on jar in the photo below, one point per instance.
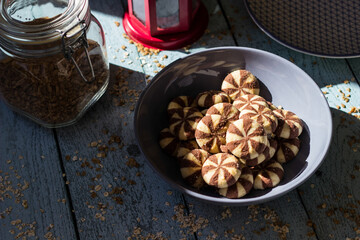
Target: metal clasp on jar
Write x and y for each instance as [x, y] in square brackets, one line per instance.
[81, 41]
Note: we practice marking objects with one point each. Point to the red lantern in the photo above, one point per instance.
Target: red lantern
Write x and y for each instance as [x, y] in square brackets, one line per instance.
[165, 24]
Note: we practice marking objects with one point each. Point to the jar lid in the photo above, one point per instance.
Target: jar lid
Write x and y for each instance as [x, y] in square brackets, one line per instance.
[37, 28]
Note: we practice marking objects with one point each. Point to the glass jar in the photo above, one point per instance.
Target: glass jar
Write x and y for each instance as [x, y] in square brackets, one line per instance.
[53, 61]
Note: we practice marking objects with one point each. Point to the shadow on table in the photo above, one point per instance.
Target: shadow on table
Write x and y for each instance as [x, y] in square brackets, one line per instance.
[344, 151]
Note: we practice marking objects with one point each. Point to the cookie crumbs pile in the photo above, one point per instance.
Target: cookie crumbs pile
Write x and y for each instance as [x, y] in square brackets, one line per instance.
[232, 140]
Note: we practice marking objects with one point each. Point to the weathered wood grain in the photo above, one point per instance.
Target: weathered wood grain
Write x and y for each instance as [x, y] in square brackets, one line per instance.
[33, 198]
[115, 194]
[283, 218]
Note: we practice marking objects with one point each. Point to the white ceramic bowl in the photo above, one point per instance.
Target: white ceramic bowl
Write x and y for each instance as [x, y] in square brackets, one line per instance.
[281, 82]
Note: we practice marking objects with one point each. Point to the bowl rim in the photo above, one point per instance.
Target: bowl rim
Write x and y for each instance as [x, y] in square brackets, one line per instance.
[300, 179]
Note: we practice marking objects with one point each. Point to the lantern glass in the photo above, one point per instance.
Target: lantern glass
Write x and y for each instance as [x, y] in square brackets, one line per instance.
[139, 10]
[167, 13]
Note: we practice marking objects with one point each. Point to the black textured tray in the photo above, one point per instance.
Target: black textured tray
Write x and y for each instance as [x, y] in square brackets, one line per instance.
[318, 27]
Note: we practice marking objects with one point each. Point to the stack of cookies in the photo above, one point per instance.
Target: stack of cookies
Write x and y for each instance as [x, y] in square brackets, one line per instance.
[233, 140]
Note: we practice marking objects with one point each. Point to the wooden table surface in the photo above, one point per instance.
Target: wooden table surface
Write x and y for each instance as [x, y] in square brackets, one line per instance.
[90, 181]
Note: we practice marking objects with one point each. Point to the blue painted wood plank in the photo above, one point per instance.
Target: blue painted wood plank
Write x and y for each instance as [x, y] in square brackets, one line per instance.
[33, 198]
[115, 193]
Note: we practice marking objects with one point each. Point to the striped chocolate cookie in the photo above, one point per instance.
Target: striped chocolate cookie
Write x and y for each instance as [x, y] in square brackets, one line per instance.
[168, 142]
[208, 98]
[268, 175]
[183, 123]
[249, 100]
[245, 138]
[180, 102]
[268, 153]
[263, 115]
[265, 155]
[240, 82]
[273, 147]
[221, 170]
[185, 147]
[288, 149]
[211, 132]
[226, 110]
[289, 124]
[191, 165]
[242, 187]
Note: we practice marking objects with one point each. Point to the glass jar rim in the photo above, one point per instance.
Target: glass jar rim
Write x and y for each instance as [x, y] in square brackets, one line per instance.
[43, 38]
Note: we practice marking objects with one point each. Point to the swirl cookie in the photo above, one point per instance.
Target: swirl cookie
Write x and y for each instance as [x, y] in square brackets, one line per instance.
[183, 123]
[208, 98]
[273, 147]
[211, 132]
[289, 125]
[288, 149]
[245, 138]
[268, 175]
[242, 187]
[221, 170]
[240, 82]
[168, 142]
[185, 147]
[226, 110]
[249, 100]
[191, 165]
[251, 162]
[268, 153]
[180, 102]
[263, 115]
